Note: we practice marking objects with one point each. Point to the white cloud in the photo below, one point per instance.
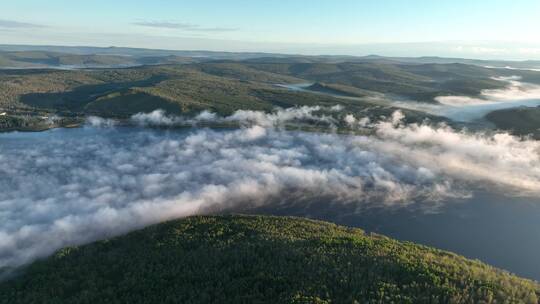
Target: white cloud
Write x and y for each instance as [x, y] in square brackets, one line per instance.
[275, 119]
[183, 26]
[529, 51]
[11, 24]
[95, 121]
[81, 185]
[481, 50]
[515, 90]
[466, 108]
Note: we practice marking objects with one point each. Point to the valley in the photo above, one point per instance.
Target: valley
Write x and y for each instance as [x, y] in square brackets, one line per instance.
[371, 86]
[402, 147]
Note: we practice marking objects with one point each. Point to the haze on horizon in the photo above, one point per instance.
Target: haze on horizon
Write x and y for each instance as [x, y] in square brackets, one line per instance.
[483, 29]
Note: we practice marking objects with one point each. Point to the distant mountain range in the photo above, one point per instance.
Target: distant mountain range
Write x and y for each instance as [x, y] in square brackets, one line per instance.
[34, 56]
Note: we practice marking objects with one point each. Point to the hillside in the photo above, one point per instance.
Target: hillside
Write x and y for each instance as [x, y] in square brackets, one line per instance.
[221, 87]
[187, 87]
[255, 259]
[519, 121]
[225, 85]
[418, 82]
[58, 60]
[41, 59]
[261, 57]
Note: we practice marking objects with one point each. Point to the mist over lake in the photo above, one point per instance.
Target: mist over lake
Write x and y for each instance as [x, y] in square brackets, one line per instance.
[72, 186]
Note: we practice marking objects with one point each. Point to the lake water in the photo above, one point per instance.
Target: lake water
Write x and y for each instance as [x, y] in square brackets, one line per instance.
[70, 186]
[500, 231]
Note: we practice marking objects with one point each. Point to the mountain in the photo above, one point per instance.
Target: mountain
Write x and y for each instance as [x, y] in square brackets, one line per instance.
[257, 259]
[141, 56]
[135, 55]
[47, 59]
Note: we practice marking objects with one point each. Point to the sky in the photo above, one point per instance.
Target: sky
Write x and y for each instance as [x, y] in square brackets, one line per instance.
[497, 29]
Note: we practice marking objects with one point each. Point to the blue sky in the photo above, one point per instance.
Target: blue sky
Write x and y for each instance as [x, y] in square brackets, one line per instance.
[464, 28]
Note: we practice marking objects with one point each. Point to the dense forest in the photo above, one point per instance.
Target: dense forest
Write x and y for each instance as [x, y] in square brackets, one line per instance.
[257, 259]
[519, 121]
[226, 86]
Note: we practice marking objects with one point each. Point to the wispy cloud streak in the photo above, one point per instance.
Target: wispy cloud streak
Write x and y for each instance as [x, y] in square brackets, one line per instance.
[183, 26]
[16, 24]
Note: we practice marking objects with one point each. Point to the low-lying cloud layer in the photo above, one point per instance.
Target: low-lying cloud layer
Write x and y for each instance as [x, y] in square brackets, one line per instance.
[68, 187]
[467, 109]
[244, 117]
[515, 90]
[183, 26]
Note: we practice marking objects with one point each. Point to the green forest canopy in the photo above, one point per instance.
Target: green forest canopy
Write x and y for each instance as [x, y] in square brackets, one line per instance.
[259, 259]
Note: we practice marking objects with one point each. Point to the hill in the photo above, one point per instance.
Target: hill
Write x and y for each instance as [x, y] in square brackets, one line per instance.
[42, 59]
[221, 87]
[255, 259]
[57, 60]
[225, 85]
[261, 57]
[519, 121]
[418, 82]
[188, 86]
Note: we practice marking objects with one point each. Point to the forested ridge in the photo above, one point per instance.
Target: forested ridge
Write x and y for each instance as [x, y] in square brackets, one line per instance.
[260, 259]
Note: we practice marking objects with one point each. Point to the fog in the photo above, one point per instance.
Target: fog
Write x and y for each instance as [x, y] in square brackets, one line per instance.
[72, 186]
[516, 94]
[515, 90]
[468, 109]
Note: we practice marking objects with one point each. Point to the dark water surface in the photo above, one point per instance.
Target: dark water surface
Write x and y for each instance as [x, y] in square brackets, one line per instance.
[501, 231]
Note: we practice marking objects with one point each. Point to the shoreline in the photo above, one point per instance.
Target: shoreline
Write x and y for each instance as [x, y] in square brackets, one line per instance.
[37, 130]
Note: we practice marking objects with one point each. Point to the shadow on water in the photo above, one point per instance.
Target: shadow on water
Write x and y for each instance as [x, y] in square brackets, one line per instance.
[503, 232]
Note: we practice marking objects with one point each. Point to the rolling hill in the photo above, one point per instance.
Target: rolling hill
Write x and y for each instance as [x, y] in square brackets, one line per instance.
[256, 259]
[519, 121]
[222, 87]
[261, 57]
[417, 82]
[188, 85]
[41, 59]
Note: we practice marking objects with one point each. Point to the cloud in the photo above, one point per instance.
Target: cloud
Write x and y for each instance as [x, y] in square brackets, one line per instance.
[183, 26]
[512, 68]
[466, 108]
[275, 119]
[529, 51]
[97, 122]
[16, 24]
[515, 90]
[69, 187]
[481, 50]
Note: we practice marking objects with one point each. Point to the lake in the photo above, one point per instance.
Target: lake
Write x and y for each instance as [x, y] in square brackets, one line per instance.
[72, 186]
